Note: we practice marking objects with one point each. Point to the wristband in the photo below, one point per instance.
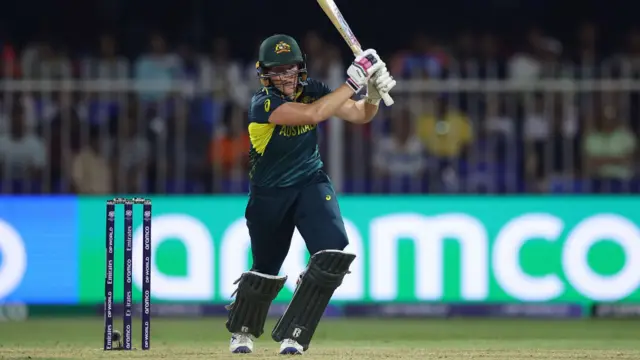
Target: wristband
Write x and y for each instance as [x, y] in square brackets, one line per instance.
[353, 85]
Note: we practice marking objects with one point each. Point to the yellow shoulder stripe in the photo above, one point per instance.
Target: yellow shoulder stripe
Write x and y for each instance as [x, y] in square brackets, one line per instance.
[260, 135]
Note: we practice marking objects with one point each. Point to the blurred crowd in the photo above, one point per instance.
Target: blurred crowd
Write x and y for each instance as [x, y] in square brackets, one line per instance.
[174, 119]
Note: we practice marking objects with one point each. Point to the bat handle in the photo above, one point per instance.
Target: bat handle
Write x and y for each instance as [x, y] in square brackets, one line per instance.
[387, 99]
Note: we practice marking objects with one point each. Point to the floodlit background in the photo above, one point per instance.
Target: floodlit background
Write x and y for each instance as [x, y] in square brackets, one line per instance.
[502, 184]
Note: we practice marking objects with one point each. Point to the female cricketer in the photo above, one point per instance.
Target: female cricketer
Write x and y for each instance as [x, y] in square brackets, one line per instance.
[289, 190]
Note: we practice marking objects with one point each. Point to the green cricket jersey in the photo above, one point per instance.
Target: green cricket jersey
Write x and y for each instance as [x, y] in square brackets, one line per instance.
[282, 156]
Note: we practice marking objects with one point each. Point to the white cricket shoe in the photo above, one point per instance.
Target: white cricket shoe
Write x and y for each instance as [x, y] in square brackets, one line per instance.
[290, 347]
[241, 343]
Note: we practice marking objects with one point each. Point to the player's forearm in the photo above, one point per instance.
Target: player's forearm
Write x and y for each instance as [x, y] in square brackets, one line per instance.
[368, 110]
[328, 105]
[358, 112]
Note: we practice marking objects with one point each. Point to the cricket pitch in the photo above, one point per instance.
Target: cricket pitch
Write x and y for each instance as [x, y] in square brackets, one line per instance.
[66, 338]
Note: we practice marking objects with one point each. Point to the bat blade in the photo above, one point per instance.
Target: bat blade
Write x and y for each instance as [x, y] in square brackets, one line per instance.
[333, 13]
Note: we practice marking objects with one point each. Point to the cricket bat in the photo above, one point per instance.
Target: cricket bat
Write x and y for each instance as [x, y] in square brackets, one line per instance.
[331, 9]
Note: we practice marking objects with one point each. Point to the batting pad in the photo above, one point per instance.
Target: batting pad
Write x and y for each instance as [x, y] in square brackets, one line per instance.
[255, 293]
[323, 275]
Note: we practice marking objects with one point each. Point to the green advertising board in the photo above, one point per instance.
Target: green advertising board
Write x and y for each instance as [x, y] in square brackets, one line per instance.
[410, 249]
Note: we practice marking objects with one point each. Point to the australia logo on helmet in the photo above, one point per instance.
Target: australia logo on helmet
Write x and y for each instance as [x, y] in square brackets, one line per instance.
[283, 47]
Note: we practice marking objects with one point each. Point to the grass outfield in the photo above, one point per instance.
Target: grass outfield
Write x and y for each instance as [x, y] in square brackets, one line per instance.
[338, 339]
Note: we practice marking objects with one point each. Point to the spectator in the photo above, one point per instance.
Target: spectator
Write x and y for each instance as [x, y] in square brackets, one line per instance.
[424, 60]
[525, 64]
[108, 65]
[359, 143]
[464, 64]
[631, 58]
[332, 68]
[485, 166]
[537, 123]
[314, 46]
[609, 149]
[536, 59]
[178, 145]
[56, 64]
[223, 75]
[7, 105]
[536, 133]
[91, 171]
[627, 61]
[101, 106]
[29, 57]
[159, 67]
[446, 133]
[41, 61]
[492, 64]
[22, 153]
[325, 62]
[400, 154]
[502, 125]
[633, 43]
[498, 121]
[132, 151]
[229, 149]
[61, 136]
[59, 104]
[249, 68]
[588, 56]
[190, 66]
[562, 164]
[9, 62]
[62, 130]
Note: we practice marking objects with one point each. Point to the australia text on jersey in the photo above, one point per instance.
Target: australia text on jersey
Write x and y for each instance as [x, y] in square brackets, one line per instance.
[295, 130]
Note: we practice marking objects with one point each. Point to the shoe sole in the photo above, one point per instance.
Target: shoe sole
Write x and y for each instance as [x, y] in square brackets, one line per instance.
[242, 350]
[290, 351]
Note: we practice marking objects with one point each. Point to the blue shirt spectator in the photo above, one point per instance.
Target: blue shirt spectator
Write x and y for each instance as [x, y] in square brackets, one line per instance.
[156, 70]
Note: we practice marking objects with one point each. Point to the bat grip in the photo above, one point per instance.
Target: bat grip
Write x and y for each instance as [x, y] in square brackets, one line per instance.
[387, 99]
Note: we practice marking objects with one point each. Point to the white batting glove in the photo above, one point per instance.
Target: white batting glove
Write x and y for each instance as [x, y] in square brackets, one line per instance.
[380, 83]
[365, 65]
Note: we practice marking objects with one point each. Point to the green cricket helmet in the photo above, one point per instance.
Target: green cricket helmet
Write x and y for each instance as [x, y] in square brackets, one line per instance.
[279, 50]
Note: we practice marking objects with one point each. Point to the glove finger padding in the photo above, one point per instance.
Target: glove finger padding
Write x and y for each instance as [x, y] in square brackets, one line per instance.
[384, 83]
[380, 71]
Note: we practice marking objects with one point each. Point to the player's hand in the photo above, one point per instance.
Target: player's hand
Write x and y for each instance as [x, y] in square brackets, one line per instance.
[380, 83]
[364, 65]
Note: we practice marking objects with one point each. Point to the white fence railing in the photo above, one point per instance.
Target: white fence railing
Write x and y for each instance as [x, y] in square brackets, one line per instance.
[97, 136]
